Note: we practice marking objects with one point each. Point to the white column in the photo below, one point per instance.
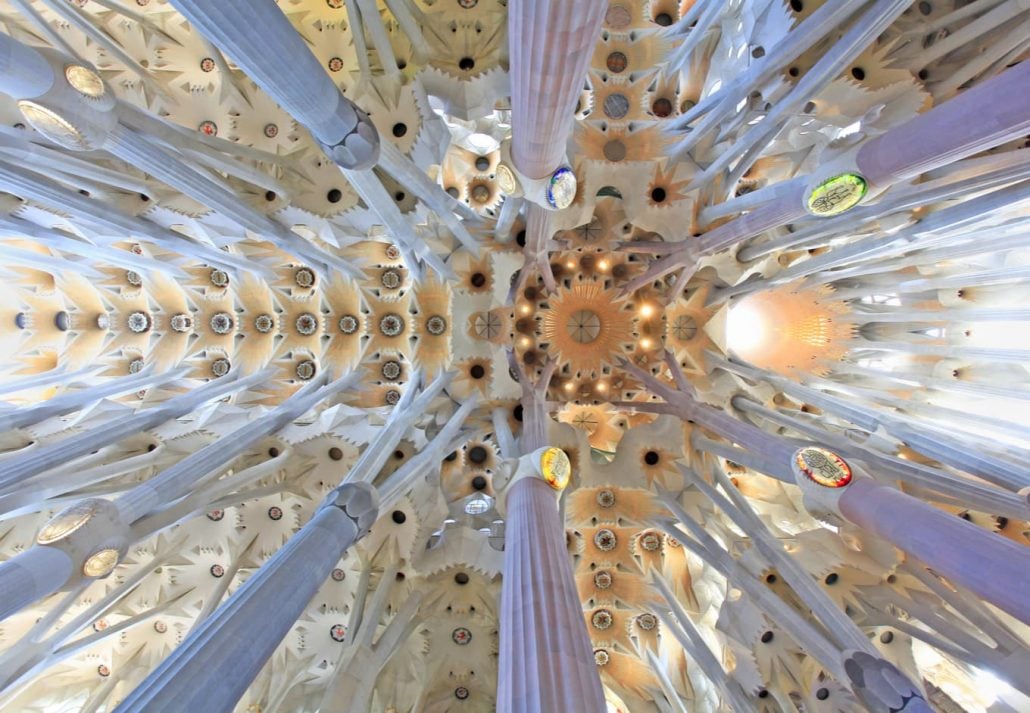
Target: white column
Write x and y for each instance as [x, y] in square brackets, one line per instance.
[24, 72]
[31, 575]
[213, 667]
[261, 40]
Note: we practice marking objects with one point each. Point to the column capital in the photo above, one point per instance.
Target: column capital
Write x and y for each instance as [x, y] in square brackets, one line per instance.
[880, 683]
[823, 476]
[92, 534]
[549, 464]
[358, 150]
[359, 502]
[553, 192]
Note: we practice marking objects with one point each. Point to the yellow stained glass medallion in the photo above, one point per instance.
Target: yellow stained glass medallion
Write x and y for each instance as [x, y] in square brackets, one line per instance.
[556, 468]
[65, 523]
[52, 125]
[84, 80]
[838, 194]
[506, 179]
[100, 563]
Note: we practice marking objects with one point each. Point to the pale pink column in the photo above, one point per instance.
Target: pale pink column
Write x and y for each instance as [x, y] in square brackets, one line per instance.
[994, 567]
[550, 43]
[546, 661]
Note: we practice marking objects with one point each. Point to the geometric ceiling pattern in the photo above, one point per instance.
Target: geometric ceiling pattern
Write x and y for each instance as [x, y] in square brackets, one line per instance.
[306, 303]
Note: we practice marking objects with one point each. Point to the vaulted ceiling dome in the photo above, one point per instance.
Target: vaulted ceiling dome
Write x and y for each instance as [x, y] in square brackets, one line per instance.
[428, 356]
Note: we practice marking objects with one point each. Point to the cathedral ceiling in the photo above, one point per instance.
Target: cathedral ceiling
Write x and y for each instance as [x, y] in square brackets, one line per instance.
[178, 232]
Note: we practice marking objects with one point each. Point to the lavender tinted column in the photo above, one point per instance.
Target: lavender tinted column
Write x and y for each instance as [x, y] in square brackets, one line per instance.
[301, 86]
[546, 660]
[976, 119]
[994, 567]
[30, 576]
[550, 45]
[24, 72]
[989, 114]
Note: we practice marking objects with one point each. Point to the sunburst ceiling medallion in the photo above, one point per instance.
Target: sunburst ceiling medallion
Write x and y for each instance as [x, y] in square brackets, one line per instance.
[587, 326]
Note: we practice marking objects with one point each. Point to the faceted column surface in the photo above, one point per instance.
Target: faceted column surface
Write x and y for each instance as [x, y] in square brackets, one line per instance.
[546, 661]
[23, 71]
[550, 45]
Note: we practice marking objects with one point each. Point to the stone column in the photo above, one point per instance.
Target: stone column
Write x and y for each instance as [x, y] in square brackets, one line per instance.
[24, 72]
[141, 151]
[179, 480]
[750, 437]
[17, 179]
[846, 402]
[40, 458]
[978, 118]
[877, 682]
[550, 43]
[56, 375]
[280, 62]
[97, 127]
[991, 566]
[30, 576]
[535, 414]
[546, 660]
[539, 231]
[76, 399]
[989, 114]
[213, 667]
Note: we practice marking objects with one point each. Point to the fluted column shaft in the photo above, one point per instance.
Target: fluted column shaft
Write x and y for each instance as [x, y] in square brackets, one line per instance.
[141, 151]
[550, 43]
[39, 459]
[76, 399]
[995, 568]
[213, 667]
[30, 576]
[539, 230]
[56, 375]
[546, 661]
[943, 445]
[307, 93]
[16, 179]
[177, 480]
[747, 435]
